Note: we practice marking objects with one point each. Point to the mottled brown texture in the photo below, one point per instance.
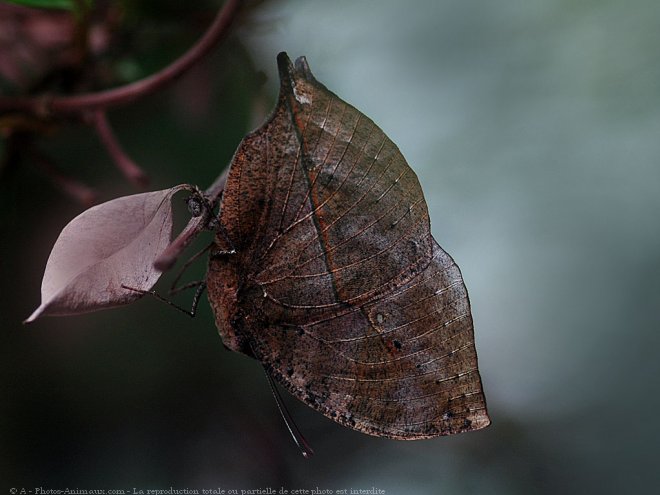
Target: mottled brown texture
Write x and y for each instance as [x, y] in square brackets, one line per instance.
[337, 285]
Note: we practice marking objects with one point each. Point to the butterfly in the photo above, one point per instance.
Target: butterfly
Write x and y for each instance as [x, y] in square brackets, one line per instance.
[325, 271]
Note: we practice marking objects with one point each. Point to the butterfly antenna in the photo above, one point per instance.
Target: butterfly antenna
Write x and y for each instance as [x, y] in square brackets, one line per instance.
[298, 438]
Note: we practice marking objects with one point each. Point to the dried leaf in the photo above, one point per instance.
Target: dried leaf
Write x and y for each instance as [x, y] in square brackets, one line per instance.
[337, 285]
[103, 248]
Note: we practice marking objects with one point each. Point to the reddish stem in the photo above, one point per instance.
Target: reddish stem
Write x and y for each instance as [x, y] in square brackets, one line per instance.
[137, 89]
[215, 190]
[124, 163]
[82, 193]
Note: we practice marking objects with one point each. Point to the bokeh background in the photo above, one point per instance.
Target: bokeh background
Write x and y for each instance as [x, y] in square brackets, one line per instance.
[534, 127]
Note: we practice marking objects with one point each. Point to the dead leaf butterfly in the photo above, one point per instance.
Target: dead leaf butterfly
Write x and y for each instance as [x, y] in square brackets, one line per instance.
[337, 285]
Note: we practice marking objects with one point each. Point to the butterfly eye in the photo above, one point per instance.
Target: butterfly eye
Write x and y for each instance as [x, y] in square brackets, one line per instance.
[195, 206]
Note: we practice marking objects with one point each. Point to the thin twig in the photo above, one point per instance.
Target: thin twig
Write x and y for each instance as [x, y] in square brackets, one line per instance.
[130, 92]
[82, 193]
[124, 163]
[215, 190]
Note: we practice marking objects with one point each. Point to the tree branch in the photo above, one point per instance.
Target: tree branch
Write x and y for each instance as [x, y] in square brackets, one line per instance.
[215, 190]
[82, 193]
[124, 163]
[45, 105]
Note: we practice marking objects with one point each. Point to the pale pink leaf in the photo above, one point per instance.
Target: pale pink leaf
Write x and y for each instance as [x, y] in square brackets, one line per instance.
[103, 248]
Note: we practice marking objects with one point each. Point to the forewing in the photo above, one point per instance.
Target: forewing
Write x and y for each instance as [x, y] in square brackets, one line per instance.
[347, 218]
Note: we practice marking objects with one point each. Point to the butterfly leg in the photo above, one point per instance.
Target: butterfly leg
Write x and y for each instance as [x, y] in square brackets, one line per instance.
[173, 288]
[201, 285]
[229, 249]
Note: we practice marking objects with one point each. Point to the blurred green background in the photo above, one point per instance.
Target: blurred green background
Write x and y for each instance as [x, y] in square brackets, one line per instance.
[534, 127]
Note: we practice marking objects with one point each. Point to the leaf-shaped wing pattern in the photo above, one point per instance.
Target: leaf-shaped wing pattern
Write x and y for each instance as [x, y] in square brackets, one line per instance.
[338, 285]
[402, 365]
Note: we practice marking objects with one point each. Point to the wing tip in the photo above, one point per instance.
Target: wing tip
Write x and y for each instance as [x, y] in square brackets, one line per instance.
[291, 72]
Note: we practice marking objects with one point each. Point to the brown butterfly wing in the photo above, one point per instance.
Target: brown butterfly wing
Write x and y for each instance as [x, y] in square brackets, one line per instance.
[339, 287]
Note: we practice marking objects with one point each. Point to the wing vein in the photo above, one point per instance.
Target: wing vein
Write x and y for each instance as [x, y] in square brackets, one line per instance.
[350, 265]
